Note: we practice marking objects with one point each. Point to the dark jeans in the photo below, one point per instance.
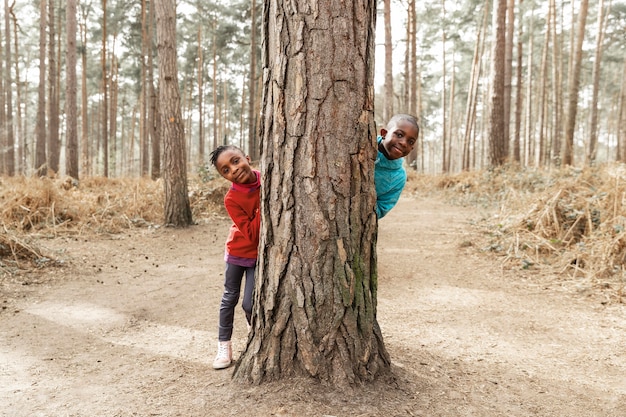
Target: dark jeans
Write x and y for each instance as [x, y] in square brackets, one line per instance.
[232, 287]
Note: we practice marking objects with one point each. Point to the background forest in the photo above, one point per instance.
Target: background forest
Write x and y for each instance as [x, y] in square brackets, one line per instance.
[561, 97]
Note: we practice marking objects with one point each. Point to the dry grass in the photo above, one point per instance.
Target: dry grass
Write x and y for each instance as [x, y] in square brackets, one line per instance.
[570, 223]
[44, 207]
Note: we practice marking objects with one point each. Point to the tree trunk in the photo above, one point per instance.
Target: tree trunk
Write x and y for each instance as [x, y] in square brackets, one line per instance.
[41, 166]
[253, 143]
[444, 122]
[517, 155]
[543, 98]
[10, 143]
[84, 139]
[144, 129]
[508, 72]
[413, 59]
[54, 148]
[3, 114]
[154, 116]
[557, 90]
[621, 122]
[21, 140]
[497, 147]
[200, 101]
[315, 295]
[71, 149]
[215, 117]
[105, 103]
[574, 87]
[388, 109]
[593, 123]
[472, 96]
[177, 207]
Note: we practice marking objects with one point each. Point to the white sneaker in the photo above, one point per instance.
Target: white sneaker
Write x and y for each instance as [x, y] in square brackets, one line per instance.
[224, 355]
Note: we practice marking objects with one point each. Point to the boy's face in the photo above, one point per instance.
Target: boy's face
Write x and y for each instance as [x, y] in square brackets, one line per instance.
[233, 165]
[400, 140]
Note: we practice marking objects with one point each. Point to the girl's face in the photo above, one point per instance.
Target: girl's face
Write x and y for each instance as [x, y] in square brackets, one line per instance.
[233, 165]
[400, 140]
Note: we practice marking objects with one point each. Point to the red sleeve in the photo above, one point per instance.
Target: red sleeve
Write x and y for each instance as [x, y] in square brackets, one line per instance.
[248, 224]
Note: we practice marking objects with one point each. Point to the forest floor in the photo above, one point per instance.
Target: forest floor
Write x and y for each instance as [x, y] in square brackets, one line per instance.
[128, 328]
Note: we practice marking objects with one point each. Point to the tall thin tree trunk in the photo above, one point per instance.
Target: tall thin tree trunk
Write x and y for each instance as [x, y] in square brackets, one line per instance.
[508, 73]
[71, 119]
[253, 143]
[574, 86]
[85, 162]
[144, 129]
[200, 100]
[472, 97]
[177, 208]
[54, 148]
[105, 99]
[10, 143]
[153, 119]
[413, 61]
[593, 122]
[389, 93]
[113, 106]
[444, 123]
[215, 116]
[497, 148]
[621, 124]
[21, 138]
[40, 152]
[519, 91]
[557, 90]
[542, 150]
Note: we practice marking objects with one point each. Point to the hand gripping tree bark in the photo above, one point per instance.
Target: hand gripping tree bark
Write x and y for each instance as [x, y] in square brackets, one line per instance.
[315, 294]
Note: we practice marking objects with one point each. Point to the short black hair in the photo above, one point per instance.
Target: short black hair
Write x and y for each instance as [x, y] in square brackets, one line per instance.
[403, 117]
[220, 149]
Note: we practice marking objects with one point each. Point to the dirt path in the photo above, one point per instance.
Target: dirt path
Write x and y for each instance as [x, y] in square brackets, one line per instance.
[129, 330]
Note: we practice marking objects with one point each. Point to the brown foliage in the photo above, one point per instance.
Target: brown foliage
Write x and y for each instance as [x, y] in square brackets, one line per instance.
[568, 221]
[42, 207]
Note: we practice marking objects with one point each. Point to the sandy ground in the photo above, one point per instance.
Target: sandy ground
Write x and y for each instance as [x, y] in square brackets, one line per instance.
[128, 328]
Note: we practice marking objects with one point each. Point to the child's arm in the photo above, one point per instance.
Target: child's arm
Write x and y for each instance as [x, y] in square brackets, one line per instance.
[386, 201]
[249, 225]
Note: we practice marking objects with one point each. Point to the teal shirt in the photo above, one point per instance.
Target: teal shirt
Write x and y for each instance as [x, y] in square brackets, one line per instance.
[389, 179]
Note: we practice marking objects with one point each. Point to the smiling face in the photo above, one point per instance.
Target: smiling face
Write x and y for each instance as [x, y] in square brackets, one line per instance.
[400, 139]
[233, 165]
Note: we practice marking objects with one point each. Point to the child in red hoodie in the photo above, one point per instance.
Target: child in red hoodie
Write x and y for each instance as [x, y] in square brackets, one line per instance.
[242, 202]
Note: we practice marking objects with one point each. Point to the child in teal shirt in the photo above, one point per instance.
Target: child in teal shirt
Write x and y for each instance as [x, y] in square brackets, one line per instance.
[395, 142]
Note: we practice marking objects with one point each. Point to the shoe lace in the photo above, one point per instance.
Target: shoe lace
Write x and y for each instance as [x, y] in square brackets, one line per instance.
[222, 350]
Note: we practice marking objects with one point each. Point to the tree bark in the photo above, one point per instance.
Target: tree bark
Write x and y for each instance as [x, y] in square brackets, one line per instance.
[71, 150]
[105, 103]
[154, 115]
[574, 87]
[200, 70]
[177, 207]
[315, 295]
[253, 143]
[85, 162]
[508, 73]
[388, 109]
[10, 142]
[593, 122]
[54, 145]
[497, 147]
[40, 146]
[517, 154]
[21, 140]
[621, 122]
